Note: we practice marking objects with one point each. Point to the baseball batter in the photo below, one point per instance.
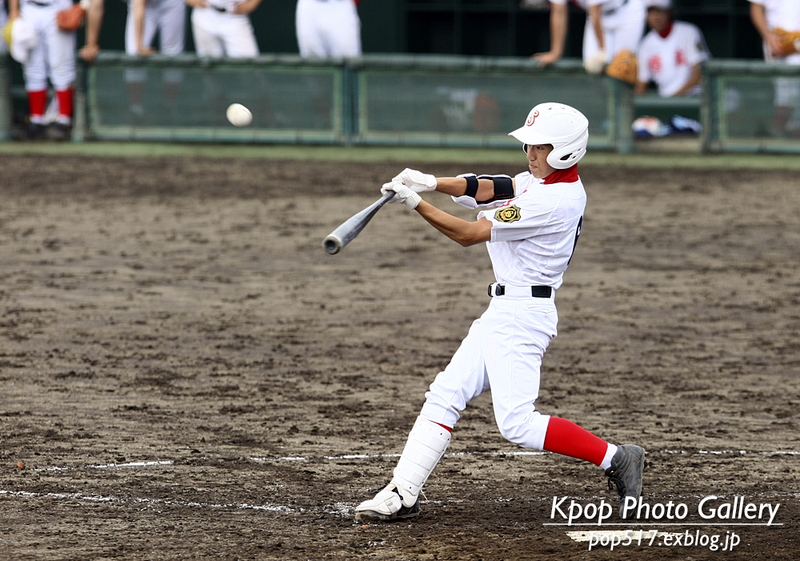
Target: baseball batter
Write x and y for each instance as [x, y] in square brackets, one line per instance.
[611, 26]
[222, 28]
[328, 28]
[530, 224]
[670, 54]
[768, 16]
[53, 58]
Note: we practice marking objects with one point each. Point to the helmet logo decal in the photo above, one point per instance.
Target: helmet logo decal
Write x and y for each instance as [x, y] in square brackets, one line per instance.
[532, 117]
[508, 214]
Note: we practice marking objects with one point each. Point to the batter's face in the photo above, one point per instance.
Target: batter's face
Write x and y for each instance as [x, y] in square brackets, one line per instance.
[537, 160]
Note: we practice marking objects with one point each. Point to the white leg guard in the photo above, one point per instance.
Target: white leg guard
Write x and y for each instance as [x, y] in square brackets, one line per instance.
[399, 499]
[425, 447]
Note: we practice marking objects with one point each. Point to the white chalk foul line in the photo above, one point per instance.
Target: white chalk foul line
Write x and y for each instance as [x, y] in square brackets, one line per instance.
[160, 502]
[127, 465]
[346, 457]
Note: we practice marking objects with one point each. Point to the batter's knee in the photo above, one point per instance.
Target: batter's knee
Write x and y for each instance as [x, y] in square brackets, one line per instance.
[527, 432]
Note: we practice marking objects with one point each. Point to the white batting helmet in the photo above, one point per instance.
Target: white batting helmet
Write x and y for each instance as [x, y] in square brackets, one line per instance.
[566, 128]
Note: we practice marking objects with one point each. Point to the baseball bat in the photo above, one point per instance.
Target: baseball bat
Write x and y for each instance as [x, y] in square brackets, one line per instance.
[351, 227]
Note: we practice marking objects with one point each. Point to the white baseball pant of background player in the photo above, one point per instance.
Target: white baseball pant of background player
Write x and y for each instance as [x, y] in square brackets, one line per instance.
[622, 24]
[786, 15]
[328, 28]
[168, 18]
[218, 31]
[530, 239]
[53, 58]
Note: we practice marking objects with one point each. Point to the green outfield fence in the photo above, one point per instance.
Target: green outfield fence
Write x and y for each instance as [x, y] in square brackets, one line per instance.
[406, 100]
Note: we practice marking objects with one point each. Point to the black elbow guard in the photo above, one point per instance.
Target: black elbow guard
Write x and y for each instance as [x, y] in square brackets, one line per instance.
[503, 190]
[503, 187]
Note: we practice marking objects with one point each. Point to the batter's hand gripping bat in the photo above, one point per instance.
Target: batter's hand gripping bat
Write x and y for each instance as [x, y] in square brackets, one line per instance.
[351, 227]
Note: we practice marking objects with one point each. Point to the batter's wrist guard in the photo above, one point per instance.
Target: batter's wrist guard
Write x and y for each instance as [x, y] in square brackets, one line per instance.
[503, 190]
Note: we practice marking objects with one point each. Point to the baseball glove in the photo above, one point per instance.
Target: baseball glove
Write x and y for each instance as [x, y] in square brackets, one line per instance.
[623, 67]
[71, 18]
[790, 40]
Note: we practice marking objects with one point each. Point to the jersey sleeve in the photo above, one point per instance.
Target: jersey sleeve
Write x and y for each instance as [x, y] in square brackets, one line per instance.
[697, 50]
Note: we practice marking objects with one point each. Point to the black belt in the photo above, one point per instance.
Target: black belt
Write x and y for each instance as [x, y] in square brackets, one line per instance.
[496, 289]
[220, 10]
[42, 4]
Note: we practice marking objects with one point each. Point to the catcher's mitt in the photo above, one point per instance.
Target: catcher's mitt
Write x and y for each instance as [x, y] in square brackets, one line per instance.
[623, 67]
[790, 40]
[71, 18]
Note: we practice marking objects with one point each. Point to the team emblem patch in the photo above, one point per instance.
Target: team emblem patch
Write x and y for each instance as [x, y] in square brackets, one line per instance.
[508, 214]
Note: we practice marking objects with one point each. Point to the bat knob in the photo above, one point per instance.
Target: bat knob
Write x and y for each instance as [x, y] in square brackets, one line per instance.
[332, 245]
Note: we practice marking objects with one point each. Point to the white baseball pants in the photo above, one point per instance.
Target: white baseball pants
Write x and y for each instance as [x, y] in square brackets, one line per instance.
[623, 29]
[54, 54]
[219, 34]
[502, 352]
[328, 28]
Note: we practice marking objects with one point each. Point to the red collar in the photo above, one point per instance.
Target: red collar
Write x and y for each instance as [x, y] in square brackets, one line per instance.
[569, 175]
[666, 31]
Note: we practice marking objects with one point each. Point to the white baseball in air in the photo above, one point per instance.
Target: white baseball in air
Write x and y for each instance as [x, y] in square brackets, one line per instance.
[239, 115]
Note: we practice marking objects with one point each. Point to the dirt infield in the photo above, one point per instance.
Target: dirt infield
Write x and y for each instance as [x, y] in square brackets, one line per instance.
[186, 373]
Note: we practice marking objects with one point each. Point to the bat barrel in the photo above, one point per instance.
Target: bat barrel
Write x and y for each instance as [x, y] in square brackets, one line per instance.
[351, 227]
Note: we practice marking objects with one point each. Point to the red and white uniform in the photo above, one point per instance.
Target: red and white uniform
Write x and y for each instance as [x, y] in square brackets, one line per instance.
[532, 240]
[623, 23]
[52, 59]
[328, 28]
[668, 59]
[219, 32]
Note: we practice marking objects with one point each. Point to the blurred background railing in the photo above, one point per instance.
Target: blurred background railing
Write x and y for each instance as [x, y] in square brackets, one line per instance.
[411, 100]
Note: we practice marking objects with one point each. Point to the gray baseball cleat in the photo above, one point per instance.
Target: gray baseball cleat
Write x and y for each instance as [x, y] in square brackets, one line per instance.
[392, 503]
[626, 473]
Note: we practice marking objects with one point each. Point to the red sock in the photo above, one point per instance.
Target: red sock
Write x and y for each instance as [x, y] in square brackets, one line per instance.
[566, 438]
[445, 427]
[65, 103]
[36, 102]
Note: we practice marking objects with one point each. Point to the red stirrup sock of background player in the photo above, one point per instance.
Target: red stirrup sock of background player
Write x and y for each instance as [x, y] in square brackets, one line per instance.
[566, 438]
[65, 105]
[36, 103]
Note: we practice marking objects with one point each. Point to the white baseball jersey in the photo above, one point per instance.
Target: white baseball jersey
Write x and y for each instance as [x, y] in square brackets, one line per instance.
[623, 23]
[533, 237]
[54, 55]
[219, 32]
[328, 28]
[533, 234]
[668, 61]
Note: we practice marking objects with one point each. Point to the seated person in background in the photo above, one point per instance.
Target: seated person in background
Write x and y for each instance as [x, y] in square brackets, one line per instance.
[670, 54]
